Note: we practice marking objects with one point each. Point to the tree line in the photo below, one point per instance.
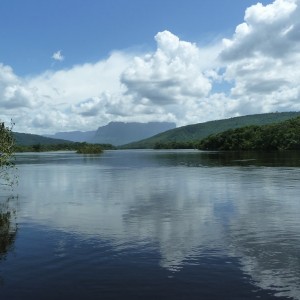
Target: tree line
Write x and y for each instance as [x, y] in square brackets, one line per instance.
[76, 146]
[6, 155]
[175, 145]
[280, 136]
[8, 148]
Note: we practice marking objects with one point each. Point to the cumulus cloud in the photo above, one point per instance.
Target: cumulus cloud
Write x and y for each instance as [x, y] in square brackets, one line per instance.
[271, 30]
[259, 66]
[170, 84]
[262, 59]
[82, 81]
[90, 107]
[58, 56]
[13, 94]
[170, 75]
[177, 78]
[32, 101]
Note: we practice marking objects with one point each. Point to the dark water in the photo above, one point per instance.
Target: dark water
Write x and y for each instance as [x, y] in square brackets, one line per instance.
[152, 225]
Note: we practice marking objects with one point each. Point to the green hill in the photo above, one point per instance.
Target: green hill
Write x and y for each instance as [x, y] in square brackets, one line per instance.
[26, 139]
[31, 142]
[200, 131]
[279, 136]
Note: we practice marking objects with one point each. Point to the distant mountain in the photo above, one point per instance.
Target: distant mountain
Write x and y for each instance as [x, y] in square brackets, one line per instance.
[26, 139]
[119, 133]
[75, 136]
[199, 131]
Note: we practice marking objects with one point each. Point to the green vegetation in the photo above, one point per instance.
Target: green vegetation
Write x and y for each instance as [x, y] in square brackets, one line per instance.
[175, 145]
[8, 226]
[6, 155]
[26, 139]
[61, 147]
[90, 149]
[36, 143]
[200, 131]
[279, 136]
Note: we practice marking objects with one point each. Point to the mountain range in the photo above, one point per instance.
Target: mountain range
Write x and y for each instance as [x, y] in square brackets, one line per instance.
[197, 132]
[146, 135]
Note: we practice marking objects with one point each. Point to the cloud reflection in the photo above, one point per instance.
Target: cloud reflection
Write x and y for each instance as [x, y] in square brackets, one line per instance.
[247, 212]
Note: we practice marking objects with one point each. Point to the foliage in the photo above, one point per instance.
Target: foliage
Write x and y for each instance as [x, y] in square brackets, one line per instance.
[26, 139]
[175, 145]
[8, 226]
[280, 136]
[58, 147]
[202, 130]
[89, 149]
[6, 156]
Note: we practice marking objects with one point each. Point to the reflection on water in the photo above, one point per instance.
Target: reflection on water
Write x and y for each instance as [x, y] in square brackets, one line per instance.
[227, 158]
[221, 213]
[8, 226]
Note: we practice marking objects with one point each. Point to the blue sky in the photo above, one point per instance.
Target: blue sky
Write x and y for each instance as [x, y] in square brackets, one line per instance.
[87, 30]
[78, 64]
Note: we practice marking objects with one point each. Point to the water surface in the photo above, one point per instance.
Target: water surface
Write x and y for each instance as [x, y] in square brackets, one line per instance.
[152, 224]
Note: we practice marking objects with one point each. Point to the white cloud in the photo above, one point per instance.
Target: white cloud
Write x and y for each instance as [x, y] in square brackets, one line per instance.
[262, 59]
[172, 74]
[32, 101]
[271, 30]
[176, 82]
[13, 94]
[82, 81]
[117, 88]
[58, 56]
[177, 78]
[79, 92]
[90, 107]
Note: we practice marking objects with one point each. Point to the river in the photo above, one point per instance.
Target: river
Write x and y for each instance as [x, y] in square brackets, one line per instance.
[145, 224]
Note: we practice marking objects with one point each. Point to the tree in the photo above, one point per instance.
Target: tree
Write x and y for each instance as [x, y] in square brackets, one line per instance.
[89, 149]
[273, 137]
[6, 156]
[8, 225]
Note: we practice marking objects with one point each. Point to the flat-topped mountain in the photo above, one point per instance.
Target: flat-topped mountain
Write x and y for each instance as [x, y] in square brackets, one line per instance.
[197, 132]
[119, 133]
[136, 135]
[116, 133]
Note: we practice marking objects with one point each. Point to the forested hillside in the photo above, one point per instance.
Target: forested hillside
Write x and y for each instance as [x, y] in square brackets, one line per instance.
[196, 132]
[26, 139]
[280, 136]
[119, 133]
[31, 142]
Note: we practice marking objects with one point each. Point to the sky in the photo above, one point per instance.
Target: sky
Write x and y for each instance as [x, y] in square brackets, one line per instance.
[79, 64]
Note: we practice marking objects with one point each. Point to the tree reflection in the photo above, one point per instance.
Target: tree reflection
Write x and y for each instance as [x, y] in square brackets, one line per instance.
[227, 158]
[8, 225]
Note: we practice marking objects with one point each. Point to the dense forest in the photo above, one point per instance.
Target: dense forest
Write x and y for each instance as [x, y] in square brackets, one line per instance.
[175, 145]
[6, 153]
[240, 133]
[280, 136]
[27, 139]
[25, 142]
[79, 147]
[90, 149]
[196, 132]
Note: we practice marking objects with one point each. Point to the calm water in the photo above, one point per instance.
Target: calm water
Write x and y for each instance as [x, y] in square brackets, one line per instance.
[152, 225]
